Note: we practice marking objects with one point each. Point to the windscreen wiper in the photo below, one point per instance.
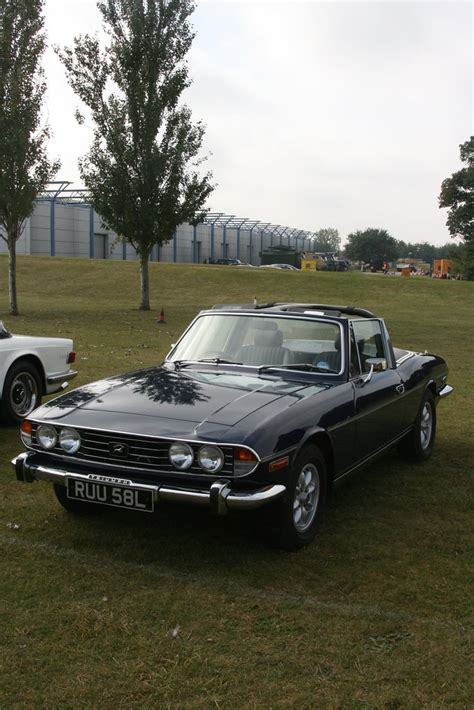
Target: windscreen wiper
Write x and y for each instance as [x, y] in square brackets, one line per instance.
[305, 366]
[219, 361]
[180, 364]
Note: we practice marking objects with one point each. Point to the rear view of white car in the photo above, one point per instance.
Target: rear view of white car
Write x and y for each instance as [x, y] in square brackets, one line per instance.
[31, 367]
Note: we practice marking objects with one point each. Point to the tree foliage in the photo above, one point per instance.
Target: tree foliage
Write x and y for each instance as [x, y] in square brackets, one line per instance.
[457, 194]
[372, 246]
[327, 239]
[24, 165]
[142, 168]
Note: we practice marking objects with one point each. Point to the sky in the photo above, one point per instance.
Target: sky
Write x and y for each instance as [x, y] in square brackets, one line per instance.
[319, 114]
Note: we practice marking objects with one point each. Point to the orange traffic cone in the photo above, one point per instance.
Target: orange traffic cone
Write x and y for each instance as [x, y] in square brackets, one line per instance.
[161, 320]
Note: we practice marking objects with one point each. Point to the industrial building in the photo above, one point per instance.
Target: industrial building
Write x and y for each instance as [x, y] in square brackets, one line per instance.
[64, 223]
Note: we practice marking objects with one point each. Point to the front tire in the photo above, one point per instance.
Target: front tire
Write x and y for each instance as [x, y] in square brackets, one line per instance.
[418, 444]
[21, 392]
[298, 515]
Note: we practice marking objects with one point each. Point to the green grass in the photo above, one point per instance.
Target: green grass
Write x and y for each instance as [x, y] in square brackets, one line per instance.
[184, 610]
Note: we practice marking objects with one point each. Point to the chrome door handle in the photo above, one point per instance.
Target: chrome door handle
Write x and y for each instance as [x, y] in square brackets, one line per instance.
[400, 389]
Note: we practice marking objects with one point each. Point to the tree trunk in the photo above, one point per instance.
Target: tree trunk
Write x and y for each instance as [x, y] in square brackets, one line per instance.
[12, 274]
[145, 283]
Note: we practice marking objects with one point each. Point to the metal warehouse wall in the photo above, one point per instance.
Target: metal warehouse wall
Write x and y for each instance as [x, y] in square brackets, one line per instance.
[76, 230]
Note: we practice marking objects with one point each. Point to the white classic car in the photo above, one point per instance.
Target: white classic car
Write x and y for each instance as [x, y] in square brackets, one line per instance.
[31, 367]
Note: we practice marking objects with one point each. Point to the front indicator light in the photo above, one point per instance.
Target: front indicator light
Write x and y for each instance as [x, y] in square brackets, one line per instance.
[69, 440]
[244, 461]
[210, 458]
[46, 436]
[181, 455]
[278, 464]
[26, 429]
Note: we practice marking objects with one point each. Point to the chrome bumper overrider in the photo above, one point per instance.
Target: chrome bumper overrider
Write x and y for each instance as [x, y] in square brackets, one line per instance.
[445, 391]
[219, 498]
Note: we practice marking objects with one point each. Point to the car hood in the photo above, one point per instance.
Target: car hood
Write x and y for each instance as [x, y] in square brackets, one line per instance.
[164, 401]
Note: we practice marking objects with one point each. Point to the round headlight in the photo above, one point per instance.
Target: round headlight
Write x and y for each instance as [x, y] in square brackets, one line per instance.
[181, 455]
[46, 436]
[69, 440]
[210, 458]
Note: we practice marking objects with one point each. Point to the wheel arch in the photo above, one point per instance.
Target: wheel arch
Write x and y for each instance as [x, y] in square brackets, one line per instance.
[32, 359]
[322, 440]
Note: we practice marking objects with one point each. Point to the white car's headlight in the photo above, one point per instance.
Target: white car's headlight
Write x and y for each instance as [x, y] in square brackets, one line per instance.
[46, 436]
[210, 458]
[69, 440]
[181, 455]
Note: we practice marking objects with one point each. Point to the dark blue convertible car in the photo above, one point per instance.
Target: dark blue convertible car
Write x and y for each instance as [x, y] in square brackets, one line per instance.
[254, 406]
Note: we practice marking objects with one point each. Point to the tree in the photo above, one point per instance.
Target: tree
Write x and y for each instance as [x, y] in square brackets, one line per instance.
[24, 166]
[457, 194]
[141, 170]
[373, 246]
[327, 239]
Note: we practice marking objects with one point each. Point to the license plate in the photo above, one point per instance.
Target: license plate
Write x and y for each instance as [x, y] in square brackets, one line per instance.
[106, 494]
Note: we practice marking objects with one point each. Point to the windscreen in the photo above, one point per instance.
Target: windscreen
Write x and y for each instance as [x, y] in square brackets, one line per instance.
[262, 340]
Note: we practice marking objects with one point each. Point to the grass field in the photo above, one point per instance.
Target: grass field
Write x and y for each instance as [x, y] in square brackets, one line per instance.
[185, 610]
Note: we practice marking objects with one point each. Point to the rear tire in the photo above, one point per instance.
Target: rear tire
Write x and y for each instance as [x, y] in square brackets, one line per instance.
[21, 393]
[418, 444]
[297, 516]
[77, 507]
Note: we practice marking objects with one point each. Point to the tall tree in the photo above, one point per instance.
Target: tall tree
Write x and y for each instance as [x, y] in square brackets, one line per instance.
[24, 165]
[373, 246]
[327, 239]
[141, 170]
[457, 194]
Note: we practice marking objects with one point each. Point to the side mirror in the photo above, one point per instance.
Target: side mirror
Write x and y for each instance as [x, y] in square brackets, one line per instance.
[376, 364]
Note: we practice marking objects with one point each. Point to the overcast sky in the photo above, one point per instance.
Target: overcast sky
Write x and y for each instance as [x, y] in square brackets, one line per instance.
[342, 114]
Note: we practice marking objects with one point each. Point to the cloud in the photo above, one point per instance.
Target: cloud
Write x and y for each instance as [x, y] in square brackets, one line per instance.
[318, 113]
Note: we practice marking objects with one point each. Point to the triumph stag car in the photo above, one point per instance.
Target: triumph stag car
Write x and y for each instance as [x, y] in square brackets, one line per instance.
[254, 407]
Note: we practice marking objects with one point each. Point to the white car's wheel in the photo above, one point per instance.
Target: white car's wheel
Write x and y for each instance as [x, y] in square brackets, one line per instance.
[21, 393]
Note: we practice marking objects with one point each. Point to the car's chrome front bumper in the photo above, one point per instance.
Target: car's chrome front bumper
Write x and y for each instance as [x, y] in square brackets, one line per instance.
[220, 497]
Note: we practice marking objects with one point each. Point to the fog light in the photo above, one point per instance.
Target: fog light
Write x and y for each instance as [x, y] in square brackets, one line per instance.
[181, 455]
[69, 440]
[210, 458]
[46, 436]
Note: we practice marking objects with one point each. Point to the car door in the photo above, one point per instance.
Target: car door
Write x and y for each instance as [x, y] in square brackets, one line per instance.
[378, 395]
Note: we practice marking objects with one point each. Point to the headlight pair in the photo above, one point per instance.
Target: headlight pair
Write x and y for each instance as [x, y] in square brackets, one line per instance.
[210, 458]
[69, 439]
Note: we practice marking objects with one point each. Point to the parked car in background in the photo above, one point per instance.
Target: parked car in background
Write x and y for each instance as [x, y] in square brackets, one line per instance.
[31, 367]
[254, 406]
[286, 267]
[230, 262]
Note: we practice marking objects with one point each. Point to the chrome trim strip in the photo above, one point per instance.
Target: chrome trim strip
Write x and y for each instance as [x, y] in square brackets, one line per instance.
[373, 455]
[59, 376]
[402, 359]
[220, 497]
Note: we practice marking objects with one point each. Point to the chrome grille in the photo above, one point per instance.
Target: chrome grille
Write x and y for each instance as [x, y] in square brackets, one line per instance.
[144, 453]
